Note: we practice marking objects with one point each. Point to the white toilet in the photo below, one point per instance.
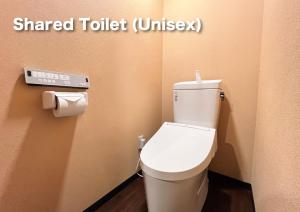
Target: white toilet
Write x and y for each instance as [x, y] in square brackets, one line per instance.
[175, 160]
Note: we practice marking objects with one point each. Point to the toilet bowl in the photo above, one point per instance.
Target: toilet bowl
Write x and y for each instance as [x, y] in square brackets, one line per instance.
[175, 160]
[174, 164]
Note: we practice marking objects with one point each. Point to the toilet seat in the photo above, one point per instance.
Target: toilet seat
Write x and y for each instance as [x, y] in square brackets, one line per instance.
[178, 151]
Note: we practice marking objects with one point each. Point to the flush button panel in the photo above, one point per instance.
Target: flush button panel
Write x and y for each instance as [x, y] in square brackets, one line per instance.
[52, 78]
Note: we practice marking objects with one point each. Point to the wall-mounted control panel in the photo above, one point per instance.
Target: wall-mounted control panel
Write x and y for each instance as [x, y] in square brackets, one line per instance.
[52, 78]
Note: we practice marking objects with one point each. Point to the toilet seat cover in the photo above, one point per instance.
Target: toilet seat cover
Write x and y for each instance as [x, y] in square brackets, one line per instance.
[178, 151]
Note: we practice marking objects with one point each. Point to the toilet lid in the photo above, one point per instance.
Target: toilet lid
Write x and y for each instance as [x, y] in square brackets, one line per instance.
[178, 151]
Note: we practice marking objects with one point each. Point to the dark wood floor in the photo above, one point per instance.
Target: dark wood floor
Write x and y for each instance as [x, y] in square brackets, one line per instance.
[224, 195]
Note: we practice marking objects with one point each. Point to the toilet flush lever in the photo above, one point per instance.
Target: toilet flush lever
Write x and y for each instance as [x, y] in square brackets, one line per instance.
[175, 96]
[222, 95]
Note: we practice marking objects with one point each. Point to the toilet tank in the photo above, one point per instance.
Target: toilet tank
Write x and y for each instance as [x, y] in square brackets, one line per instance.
[197, 102]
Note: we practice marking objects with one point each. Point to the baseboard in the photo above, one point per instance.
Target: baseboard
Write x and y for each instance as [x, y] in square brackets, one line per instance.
[230, 180]
[111, 194]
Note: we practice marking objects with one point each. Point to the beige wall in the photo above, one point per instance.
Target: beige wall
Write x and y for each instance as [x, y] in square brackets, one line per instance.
[276, 169]
[66, 164]
[228, 48]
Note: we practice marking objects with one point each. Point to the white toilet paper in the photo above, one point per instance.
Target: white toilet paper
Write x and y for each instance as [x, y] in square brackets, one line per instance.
[70, 104]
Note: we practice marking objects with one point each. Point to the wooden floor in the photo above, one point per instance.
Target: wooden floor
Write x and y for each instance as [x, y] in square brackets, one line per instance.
[224, 195]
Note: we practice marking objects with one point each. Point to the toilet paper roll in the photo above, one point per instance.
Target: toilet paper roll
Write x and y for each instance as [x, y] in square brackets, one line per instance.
[70, 104]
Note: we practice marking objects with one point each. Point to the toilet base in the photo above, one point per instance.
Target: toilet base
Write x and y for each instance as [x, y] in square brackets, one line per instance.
[176, 196]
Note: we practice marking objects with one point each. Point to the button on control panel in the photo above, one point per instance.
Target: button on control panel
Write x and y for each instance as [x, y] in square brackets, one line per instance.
[52, 78]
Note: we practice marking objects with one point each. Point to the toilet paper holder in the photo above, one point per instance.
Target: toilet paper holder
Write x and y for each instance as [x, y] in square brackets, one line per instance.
[51, 101]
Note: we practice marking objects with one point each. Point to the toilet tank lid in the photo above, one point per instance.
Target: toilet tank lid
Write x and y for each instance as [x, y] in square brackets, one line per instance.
[195, 85]
[178, 151]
